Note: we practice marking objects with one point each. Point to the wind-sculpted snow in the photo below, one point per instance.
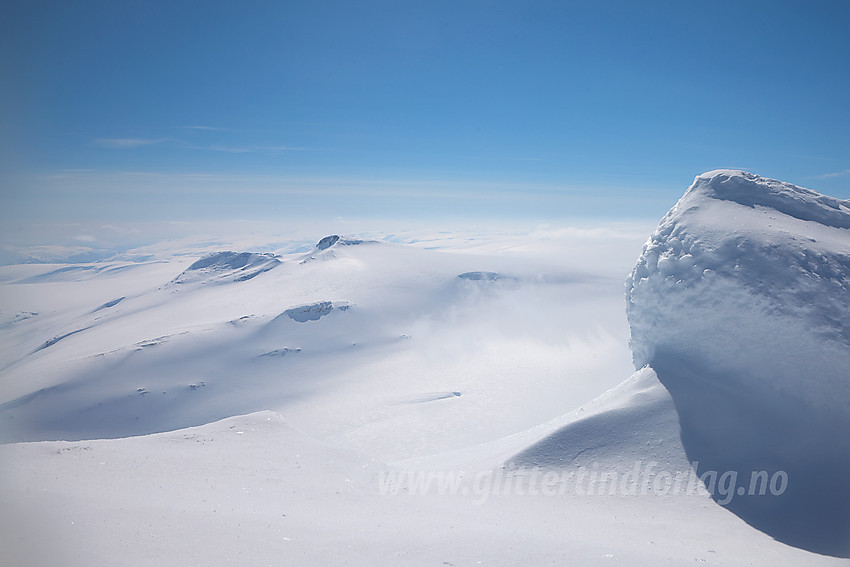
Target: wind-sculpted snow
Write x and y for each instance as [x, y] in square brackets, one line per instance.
[228, 266]
[635, 421]
[754, 191]
[740, 302]
[751, 275]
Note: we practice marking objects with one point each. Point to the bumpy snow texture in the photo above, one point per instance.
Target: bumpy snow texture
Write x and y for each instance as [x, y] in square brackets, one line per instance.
[740, 302]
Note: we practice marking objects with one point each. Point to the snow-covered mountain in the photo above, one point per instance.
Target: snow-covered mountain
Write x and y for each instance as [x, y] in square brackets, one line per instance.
[352, 336]
[341, 370]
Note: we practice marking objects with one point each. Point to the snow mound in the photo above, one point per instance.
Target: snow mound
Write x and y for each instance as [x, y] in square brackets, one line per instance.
[749, 275]
[313, 311]
[633, 422]
[228, 266]
[739, 303]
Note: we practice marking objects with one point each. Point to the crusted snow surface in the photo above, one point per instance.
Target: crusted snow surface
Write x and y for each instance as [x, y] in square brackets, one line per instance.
[752, 275]
[740, 302]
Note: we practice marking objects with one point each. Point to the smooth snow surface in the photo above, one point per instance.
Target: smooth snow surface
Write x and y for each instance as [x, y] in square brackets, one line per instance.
[254, 490]
[635, 421]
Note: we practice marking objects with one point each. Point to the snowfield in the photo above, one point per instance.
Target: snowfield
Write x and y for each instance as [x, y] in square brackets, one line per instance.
[449, 401]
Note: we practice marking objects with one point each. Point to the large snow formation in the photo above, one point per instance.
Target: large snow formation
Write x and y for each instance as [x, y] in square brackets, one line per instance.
[740, 302]
[751, 275]
[740, 328]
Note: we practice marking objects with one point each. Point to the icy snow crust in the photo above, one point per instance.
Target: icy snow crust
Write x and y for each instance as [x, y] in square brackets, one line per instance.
[740, 304]
[751, 275]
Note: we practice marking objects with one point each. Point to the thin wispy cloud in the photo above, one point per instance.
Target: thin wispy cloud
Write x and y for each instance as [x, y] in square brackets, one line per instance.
[131, 143]
[250, 149]
[833, 175]
[281, 149]
[188, 182]
[128, 143]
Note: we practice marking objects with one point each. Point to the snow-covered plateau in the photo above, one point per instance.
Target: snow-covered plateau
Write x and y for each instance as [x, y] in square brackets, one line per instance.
[442, 400]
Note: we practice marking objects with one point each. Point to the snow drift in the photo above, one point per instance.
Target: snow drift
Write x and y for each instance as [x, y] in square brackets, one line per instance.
[739, 314]
[635, 421]
[752, 276]
[740, 302]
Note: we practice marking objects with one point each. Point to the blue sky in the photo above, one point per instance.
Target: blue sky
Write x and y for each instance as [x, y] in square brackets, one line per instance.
[159, 110]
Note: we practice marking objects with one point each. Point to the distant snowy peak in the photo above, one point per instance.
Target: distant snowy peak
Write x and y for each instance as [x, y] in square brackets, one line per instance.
[337, 240]
[752, 276]
[222, 267]
[324, 249]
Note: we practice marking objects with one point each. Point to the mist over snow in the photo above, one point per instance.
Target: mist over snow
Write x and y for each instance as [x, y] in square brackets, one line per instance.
[270, 394]
[380, 322]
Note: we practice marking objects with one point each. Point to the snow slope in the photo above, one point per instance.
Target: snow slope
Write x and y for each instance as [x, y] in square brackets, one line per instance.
[381, 360]
[254, 490]
[354, 340]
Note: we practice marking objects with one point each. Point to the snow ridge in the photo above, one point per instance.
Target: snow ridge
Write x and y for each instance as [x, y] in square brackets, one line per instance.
[228, 266]
[753, 191]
